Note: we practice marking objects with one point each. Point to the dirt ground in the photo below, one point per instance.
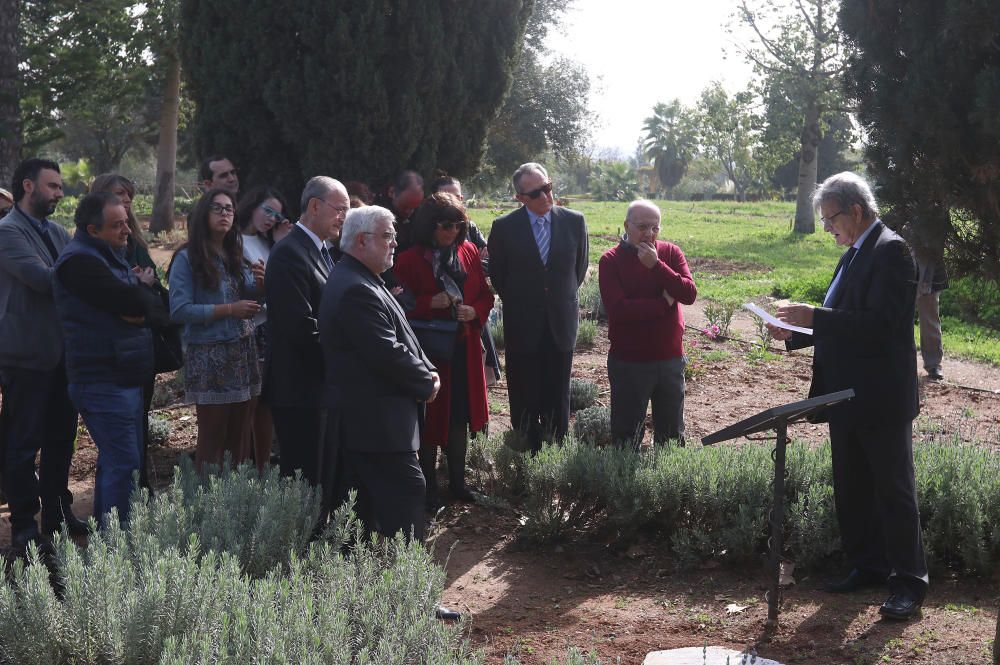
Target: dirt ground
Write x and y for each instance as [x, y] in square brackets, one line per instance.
[536, 602]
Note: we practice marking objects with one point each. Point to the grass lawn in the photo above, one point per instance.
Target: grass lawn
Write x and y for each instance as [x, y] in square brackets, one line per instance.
[744, 250]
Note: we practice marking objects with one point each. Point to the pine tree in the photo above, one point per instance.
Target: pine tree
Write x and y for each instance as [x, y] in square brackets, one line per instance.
[356, 90]
[926, 78]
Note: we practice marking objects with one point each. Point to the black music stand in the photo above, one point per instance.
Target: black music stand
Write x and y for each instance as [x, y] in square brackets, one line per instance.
[777, 418]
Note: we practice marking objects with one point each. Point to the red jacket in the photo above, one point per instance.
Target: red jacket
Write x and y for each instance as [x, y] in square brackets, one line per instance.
[413, 270]
[642, 325]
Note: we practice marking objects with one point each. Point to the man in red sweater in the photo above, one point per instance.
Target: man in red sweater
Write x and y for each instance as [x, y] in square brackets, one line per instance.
[644, 281]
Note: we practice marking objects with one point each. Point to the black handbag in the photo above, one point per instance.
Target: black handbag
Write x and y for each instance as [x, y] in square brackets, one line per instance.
[437, 337]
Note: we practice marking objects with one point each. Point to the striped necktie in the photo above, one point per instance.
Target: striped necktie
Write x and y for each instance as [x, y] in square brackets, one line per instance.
[543, 237]
[326, 257]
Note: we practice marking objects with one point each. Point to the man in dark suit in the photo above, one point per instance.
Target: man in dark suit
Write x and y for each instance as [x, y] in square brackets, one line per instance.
[863, 339]
[38, 414]
[538, 259]
[297, 270]
[378, 378]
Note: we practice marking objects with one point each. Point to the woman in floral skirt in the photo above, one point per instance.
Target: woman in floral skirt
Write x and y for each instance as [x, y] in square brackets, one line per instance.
[214, 293]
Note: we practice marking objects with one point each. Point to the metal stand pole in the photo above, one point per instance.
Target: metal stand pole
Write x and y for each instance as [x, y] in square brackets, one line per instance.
[777, 523]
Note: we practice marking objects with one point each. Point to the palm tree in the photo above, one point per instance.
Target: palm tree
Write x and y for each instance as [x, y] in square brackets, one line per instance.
[670, 141]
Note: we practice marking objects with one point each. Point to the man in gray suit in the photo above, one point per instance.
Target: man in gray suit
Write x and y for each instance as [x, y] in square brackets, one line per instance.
[38, 411]
[538, 259]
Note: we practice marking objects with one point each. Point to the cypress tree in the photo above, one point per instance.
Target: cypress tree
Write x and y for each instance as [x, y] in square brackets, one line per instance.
[926, 79]
[355, 90]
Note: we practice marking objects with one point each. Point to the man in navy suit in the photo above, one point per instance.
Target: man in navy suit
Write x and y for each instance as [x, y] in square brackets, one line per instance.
[297, 270]
[538, 259]
[863, 339]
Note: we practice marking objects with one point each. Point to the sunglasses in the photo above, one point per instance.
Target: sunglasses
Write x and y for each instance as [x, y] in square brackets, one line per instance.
[220, 209]
[535, 193]
[448, 226]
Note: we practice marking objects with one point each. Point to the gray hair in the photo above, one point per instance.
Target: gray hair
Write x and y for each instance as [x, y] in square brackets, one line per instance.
[530, 167]
[847, 189]
[641, 203]
[361, 220]
[317, 188]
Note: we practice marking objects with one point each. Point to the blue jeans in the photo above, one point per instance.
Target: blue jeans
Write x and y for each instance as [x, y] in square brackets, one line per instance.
[113, 415]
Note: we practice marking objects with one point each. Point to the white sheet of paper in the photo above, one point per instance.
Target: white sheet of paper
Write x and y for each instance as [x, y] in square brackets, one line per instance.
[773, 321]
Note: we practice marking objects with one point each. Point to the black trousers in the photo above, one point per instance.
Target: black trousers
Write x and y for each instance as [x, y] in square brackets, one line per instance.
[390, 490]
[538, 391]
[147, 404]
[876, 497]
[303, 435]
[38, 416]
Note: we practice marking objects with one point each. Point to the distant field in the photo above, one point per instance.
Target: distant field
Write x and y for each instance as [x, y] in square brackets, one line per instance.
[741, 251]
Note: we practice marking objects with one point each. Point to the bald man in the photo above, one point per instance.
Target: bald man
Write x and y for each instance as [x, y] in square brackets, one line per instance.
[644, 282]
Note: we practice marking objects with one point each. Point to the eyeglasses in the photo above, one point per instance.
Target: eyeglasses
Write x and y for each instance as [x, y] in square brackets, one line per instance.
[388, 236]
[448, 226]
[644, 228]
[272, 214]
[535, 193]
[341, 210]
[220, 209]
[829, 220]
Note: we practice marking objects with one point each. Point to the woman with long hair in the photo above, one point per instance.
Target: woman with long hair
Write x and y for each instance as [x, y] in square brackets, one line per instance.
[261, 214]
[138, 257]
[214, 293]
[443, 272]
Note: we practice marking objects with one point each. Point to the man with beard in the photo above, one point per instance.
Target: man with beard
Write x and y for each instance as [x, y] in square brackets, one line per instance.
[297, 271]
[32, 362]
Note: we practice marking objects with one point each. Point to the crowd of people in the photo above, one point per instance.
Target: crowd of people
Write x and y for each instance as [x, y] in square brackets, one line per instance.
[353, 344]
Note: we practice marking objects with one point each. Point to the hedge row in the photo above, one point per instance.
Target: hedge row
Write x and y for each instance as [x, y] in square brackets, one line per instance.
[220, 570]
[714, 502]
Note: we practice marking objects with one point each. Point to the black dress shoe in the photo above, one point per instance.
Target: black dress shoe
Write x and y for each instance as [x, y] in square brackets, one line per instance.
[53, 520]
[934, 373]
[445, 614]
[463, 494]
[900, 606]
[856, 580]
[20, 541]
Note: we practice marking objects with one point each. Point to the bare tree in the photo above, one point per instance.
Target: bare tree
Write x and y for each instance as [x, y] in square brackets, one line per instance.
[798, 43]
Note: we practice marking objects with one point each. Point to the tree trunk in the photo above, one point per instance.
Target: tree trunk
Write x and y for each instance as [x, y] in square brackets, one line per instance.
[10, 108]
[166, 150]
[996, 643]
[805, 216]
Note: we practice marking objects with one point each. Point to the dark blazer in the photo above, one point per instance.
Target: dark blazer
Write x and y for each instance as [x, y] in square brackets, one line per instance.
[378, 376]
[533, 293]
[30, 334]
[294, 279]
[864, 340]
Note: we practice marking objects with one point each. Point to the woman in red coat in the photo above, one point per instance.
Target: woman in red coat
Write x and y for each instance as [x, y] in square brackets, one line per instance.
[445, 275]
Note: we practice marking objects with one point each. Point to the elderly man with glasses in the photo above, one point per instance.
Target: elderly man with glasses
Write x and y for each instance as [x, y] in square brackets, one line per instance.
[644, 282]
[538, 259]
[297, 272]
[862, 338]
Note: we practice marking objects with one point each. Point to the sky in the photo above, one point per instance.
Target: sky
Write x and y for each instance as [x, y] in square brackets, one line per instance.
[640, 52]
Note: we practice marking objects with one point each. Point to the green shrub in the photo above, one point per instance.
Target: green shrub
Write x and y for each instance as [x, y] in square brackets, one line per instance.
[586, 334]
[159, 430]
[496, 330]
[158, 594]
[720, 315]
[582, 394]
[713, 502]
[591, 303]
[972, 299]
[593, 426]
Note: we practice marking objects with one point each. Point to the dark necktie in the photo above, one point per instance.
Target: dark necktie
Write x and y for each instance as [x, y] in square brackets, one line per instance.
[845, 263]
[47, 239]
[326, 257]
